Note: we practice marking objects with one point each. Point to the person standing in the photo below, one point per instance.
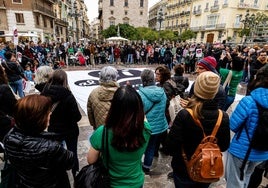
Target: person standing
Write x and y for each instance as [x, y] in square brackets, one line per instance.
[128, 136]
[15, 73]
[185, 134]
[38, 159]
[42, 75]
[243, 122]
[236, 72]
[99, 100]
[209, 63]
[7, 105]
[65, 117]
[154, 102]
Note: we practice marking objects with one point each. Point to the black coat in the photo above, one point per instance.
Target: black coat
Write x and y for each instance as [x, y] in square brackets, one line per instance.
[7, 104]
[219, 98]
[40, 161]
[186, 133]
[64, 118]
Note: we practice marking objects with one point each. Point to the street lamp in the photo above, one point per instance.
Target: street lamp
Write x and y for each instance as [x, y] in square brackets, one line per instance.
[75, 14]
[160, 18]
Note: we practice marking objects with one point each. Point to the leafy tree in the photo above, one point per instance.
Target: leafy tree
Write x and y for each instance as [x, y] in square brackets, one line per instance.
[167, 35]
[109, 32]
[186, 35]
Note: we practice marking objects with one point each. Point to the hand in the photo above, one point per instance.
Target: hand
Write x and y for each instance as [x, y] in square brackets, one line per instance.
[183, 102]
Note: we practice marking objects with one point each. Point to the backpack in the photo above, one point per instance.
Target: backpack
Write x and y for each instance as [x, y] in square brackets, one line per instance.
[206, 164]
[259, 138]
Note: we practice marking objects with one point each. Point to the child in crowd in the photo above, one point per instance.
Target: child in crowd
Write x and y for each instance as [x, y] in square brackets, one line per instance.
[28, 73]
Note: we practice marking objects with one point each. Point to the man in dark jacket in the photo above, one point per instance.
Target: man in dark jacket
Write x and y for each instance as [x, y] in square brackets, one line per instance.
[209, 63]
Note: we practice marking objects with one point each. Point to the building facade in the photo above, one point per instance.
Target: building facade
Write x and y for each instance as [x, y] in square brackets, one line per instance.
[132, 12]
[43, 20]
[211, 20]
[157, 14]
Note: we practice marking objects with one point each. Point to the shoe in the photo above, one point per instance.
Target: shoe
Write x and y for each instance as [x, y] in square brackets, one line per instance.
[146, 170]
[156, 154]
[170, 175]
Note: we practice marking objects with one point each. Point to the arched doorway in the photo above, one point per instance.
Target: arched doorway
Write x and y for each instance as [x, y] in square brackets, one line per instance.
[210, 38]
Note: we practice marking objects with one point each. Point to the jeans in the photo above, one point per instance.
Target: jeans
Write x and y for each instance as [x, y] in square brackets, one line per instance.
[232, 171]
[130, 58]
[17, 87]
[111, 58]
[183, 182]
[149, 153]
[228, 102]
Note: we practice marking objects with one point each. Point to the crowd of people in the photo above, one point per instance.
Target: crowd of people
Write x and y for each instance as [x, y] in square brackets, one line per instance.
[40, 131]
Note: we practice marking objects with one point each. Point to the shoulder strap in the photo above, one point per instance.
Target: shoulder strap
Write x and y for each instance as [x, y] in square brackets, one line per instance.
[197, 121]
[228, 79]
[216, 127]
[104, 145]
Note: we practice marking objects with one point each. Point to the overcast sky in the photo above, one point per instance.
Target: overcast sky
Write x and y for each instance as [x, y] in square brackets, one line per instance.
[92, 7]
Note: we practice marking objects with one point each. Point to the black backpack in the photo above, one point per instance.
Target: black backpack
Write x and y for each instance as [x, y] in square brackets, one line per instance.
[259, 139]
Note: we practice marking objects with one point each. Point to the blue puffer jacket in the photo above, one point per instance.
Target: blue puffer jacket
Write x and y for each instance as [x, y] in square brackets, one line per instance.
[247, 111]
[154, 95]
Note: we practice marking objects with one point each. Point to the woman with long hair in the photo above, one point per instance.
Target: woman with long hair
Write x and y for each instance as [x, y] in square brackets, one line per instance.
[186, 134]
[65, 117]
[128, 136]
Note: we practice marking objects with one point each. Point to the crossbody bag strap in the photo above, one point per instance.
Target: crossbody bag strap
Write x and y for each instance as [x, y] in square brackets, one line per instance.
[104, 145]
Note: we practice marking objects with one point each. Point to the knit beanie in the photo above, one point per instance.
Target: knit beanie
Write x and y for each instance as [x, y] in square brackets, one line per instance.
[206, 85]
[209, 63]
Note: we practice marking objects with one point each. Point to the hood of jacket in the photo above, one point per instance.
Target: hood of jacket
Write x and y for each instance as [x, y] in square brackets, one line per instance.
[107, 90]
[56, 92]
[152, 93]
[260, 95]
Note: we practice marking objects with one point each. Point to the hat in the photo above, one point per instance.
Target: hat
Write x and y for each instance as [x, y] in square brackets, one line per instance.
[206, 85]
[209, 63]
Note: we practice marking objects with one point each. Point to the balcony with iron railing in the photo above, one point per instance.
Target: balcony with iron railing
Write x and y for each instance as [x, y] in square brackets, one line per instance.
[247, 6]
[195, 28]
[43, 10]
[214, 8]
[211, 26]
[237, 25]
[220, 26]
[61, 22]
[197, 12]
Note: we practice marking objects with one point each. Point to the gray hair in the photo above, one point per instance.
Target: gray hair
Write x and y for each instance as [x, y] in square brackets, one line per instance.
[147, 77]
[42, 74]
[108, 74]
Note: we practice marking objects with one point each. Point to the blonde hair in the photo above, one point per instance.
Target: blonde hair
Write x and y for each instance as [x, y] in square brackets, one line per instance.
[42, 74]
[196, 104]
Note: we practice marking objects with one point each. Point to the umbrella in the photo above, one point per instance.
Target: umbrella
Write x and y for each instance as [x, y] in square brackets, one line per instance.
[117, 39]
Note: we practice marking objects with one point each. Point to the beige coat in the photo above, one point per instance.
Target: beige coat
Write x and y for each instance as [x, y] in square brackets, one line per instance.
[99, 102]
